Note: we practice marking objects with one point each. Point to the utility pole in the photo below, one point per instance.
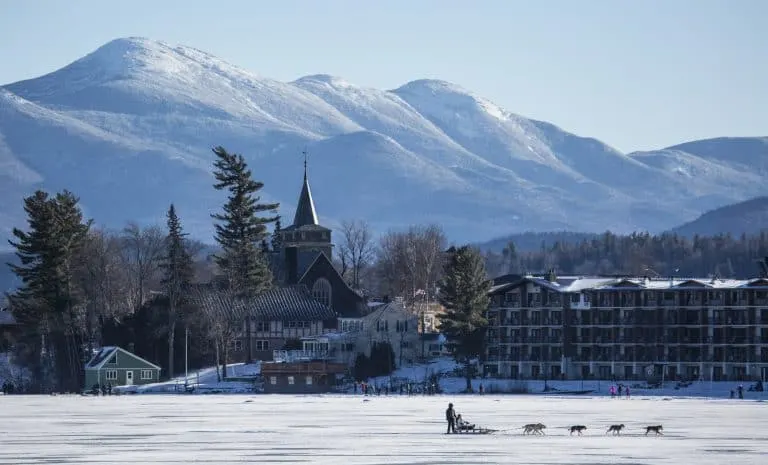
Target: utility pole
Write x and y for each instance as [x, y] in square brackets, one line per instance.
[186, 356]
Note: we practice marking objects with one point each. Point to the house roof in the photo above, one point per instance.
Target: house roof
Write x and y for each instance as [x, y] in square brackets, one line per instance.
[106, 353]
[583, 283]
[391, 307]
[322, 256]
[291, 303]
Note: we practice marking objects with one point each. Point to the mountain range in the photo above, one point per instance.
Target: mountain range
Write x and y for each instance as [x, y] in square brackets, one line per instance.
[129, 128]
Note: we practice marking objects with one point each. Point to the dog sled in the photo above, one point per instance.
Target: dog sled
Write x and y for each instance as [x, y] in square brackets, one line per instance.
[472, 429]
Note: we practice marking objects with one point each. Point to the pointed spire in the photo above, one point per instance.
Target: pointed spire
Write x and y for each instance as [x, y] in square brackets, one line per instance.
[305, 210]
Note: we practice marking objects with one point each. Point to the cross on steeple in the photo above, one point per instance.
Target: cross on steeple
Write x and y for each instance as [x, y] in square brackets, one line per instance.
[306, 156]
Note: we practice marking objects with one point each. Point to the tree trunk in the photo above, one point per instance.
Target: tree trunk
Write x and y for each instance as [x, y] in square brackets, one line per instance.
[171, 347]
[218, 372]
[248, 340]
[224, 357]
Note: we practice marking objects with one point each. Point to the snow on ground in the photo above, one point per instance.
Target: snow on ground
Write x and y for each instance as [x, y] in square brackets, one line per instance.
[202, 381]
[418, 373]
[272, 429]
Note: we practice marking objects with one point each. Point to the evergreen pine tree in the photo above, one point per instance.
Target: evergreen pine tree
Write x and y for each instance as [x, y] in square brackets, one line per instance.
[177, 277]
[277, 242]
[464, 294]
[361, 370]
[48, 303]
[241, 230]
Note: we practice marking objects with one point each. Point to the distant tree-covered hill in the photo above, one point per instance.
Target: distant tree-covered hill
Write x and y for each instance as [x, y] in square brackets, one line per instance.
[533, 241]
[639, 254]
[748, 217]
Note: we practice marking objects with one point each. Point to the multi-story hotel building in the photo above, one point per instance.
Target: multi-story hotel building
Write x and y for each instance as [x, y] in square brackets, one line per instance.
[550, 327]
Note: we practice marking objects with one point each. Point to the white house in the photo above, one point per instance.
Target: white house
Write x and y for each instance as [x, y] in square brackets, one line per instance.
[389, 322]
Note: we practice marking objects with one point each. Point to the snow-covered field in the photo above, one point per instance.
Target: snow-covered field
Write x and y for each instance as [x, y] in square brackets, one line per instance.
[271, 429]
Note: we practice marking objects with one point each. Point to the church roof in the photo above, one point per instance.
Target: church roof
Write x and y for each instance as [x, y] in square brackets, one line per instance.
[290, 303]
[305, 209]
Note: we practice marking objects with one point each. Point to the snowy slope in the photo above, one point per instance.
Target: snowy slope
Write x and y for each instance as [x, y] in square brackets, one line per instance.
[129, 128]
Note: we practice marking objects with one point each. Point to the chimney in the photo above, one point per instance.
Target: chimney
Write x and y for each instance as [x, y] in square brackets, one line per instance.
[131, 347]
[551, 276]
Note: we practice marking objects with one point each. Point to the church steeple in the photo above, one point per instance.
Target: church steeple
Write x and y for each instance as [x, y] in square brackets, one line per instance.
[305, 210]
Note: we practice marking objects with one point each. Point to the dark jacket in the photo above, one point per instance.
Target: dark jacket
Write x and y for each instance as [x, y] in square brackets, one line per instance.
[450, 415]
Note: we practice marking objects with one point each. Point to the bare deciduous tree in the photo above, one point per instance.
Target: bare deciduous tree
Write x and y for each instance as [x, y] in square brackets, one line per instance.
[142, 251]
[104, 283]
[409, 263]
[223, 313]
[357, 250]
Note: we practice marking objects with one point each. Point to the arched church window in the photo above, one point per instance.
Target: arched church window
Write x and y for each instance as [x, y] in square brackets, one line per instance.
[321, 291]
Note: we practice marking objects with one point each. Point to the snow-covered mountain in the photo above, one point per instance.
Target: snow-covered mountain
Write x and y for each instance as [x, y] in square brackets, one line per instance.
[129, 128]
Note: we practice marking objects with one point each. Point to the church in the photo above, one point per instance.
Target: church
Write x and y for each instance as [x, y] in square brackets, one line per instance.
[310, 297]
[304, 256]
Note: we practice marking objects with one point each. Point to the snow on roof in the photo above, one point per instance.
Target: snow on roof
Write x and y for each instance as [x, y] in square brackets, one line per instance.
[101, 357]
[582, 283]
[381, 311]
[106, 353]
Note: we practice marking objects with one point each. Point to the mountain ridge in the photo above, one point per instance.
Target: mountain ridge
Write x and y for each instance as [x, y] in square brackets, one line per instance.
[136, 113]
[749, 217]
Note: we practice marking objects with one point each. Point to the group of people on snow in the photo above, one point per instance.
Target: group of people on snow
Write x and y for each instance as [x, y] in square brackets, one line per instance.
[616, 390]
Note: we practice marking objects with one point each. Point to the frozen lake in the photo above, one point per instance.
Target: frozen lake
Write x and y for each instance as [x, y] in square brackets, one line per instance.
[227, 429]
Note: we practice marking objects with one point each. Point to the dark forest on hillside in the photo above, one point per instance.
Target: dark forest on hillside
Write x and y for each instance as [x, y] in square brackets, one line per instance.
[639, 254]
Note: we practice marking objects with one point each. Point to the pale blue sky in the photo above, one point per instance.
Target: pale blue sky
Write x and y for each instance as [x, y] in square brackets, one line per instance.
[635, 74]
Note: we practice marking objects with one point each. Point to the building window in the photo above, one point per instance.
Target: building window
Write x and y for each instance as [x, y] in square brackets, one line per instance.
[290, 380]
[236, 345]
[309, 380]
[262, 345]
[321, 291]
[273, 380]
[111, 375]
[262, 326]
[146, 374]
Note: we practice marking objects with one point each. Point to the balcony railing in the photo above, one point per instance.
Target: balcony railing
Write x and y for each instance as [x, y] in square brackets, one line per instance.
[299, 355]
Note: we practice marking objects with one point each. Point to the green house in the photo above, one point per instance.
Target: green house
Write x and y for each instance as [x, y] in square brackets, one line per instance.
[117, 367]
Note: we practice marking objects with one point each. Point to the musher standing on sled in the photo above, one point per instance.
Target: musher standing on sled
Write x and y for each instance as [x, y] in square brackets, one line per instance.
[450, 416]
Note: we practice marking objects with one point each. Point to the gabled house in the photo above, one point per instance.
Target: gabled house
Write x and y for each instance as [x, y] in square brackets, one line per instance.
[117, 367]
[392, 323]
